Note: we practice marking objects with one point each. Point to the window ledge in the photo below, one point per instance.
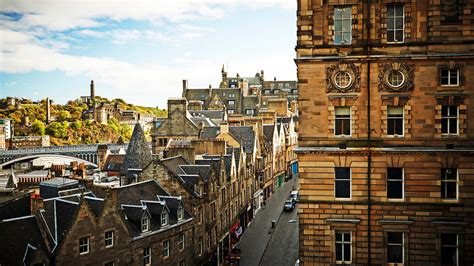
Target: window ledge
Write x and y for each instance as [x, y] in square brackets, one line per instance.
[353, 221]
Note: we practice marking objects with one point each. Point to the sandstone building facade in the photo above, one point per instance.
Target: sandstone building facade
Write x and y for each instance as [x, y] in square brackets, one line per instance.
[387, 176]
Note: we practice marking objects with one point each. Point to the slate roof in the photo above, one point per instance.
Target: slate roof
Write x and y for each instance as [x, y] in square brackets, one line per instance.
[227, 162]
[210, 132]
[245, 136]
[16, 235]
[113, 162]
[211, 114]
[147, 199]
[134, 193]
[59, 215]
[200, 170]
[138, 153]
[173, 164]
[268, 132]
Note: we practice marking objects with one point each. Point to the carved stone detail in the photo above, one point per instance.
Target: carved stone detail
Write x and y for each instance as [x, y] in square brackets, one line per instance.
[405, 69]
[333, 70]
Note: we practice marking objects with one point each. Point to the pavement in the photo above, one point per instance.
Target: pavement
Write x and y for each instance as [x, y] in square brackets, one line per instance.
[263, 245]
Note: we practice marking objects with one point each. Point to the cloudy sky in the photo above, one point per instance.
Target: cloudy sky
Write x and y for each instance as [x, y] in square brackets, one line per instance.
[140, 50]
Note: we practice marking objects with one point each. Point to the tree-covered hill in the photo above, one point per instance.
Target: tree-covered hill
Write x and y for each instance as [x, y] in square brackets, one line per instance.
[69, 127]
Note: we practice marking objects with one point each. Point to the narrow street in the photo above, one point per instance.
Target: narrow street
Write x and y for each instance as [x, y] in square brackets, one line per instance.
[263, 245]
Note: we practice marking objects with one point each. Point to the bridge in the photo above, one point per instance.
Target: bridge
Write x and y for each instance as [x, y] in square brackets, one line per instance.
[85, 153]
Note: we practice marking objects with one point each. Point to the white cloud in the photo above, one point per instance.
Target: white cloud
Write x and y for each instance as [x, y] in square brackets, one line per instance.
[38, 39]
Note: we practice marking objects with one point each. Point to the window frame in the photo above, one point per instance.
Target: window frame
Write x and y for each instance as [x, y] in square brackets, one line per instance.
[181, 241]
[230, 111]
[443, 174]
[164, 218]
[394, 23]
[166, 248]
[343, 243]
[395, 119]
[450, 117]
[396, 180]
[458, 72]
[86, 244]
[111, 239]
[231, 102]
[350, 184]
[341, 31]
[180, 213]
[147, 256]
[342, 118]
[145, 224]
[395, 244]
[441, 246]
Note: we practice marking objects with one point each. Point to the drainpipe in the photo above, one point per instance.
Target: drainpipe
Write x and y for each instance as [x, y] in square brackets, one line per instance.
[369, 131]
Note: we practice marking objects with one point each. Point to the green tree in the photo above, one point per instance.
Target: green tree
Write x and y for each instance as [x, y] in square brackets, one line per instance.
[76, 124]
[64, 115]
[38, 127]
[57, 130]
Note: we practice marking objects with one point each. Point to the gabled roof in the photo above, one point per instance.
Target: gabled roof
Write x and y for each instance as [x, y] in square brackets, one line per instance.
[138, 153]
[59, 214]
[245, 136]
[20, 240]
[268, 131]
[200, 170]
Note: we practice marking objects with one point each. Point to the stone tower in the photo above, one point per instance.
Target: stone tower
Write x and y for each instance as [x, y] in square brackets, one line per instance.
[48, 110]
[92, 91]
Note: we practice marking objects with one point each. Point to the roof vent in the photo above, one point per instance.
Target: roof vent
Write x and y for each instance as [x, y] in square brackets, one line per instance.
[449, 146]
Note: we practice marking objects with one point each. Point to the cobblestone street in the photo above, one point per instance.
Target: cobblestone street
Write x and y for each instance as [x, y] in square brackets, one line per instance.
[263, 245]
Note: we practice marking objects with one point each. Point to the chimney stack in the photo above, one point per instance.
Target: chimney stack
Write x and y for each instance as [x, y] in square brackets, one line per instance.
[224, 127]
[185, 87]
[92, 91]
[48, 110]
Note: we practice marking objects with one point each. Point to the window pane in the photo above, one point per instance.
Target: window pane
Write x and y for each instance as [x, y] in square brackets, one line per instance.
[343, 111]
[337, 37]
[390, 23]
[394, 189]
[444, 81]
[343, 173]
[338, 25]
[339, 252]
[451, 173]
[399, 126]
[390, 10]
[395, 110]
[399, 35]
[342, 189]
[347, 237]
[399, 23]
[395, 237]
[395, 254]
[347, 12]
[444, 126]
[451, 190]
[346, 37]
[391, 36]
[449, 239]
[347, 252]
[453, 110]
[337, 13]
[390, 126]
[454, 77]
[346, 127]
[338, 237]
[448, 256]
[453, 125]
[395, 173]
[444, 110]
[346, 25]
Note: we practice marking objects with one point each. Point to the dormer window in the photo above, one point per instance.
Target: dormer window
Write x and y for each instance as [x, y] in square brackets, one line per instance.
[164, 218]
[180, 213]
[145, 224]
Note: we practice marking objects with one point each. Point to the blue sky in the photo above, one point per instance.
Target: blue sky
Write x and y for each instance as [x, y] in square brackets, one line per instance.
[140, 50]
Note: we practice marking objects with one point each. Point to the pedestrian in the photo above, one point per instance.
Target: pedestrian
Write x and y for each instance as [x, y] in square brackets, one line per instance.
[264, 204]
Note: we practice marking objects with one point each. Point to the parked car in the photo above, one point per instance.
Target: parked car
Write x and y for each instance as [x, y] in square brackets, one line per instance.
[294, 194]
[289, 204]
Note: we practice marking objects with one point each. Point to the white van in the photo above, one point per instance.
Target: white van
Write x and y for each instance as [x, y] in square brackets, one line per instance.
[294, 195]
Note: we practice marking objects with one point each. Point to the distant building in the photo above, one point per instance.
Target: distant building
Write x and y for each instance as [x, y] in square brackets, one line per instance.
[30, 141]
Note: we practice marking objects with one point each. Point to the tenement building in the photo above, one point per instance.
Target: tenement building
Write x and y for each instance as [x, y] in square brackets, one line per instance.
[387, 175]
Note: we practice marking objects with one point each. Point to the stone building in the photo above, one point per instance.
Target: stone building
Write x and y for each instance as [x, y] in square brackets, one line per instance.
[386, 172]
[138, 224]
[240, 95]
